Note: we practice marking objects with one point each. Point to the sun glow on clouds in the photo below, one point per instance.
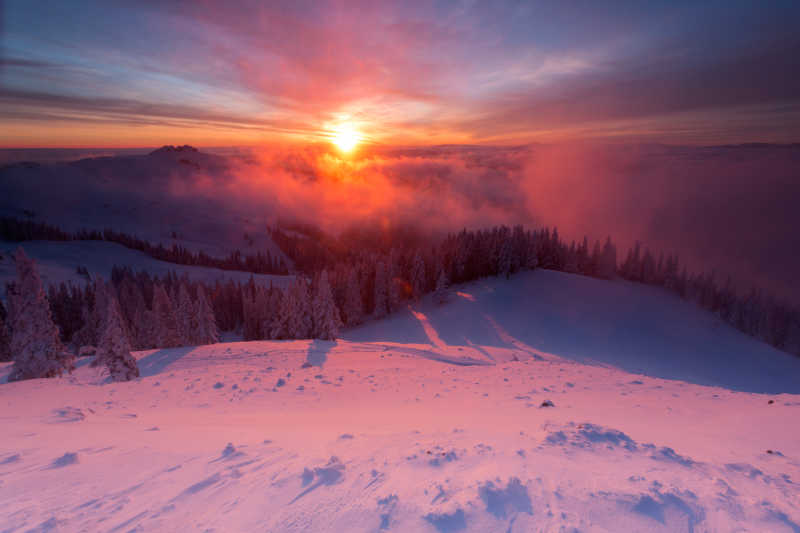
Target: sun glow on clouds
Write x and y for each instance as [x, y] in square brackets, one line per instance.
[345, 136]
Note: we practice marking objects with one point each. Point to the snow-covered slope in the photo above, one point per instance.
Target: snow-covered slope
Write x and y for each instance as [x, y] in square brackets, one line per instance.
[429, 421]
[58, 262]
[635, 327]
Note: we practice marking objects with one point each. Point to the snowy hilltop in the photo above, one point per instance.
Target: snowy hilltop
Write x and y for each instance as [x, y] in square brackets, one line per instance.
[545, 402]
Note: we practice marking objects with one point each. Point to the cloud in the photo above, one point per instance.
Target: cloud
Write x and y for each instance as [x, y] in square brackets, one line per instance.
[729, 208]
[412, 73]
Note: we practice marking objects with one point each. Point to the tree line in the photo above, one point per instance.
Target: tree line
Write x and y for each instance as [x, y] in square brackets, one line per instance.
[16, 230]
[363, 283]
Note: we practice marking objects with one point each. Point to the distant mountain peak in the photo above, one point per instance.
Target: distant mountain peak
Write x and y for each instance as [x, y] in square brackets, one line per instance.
[170, 149]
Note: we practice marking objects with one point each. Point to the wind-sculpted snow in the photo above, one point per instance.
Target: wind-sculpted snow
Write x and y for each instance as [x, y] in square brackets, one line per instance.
[69, 458]
[594, 438]
[447, 522]
[671, 509]
[379, 435]
[503, 502]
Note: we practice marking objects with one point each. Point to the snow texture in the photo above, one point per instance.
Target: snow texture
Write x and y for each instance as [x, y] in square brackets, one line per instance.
[426, 421]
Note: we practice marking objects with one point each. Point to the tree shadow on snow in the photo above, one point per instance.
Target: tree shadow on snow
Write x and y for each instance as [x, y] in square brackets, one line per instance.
[156, 362]
[318, 352]
[400, 327]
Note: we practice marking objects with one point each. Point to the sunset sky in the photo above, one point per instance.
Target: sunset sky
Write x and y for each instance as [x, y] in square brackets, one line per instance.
[242, 73]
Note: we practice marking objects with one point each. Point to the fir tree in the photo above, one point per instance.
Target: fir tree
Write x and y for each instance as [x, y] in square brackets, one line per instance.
[279, 327]
[250, 320]
[531, 252]
[256, 313]
[608, 261]
[440, 294]
[114, 348]
[353, 304]
[167, 324]
[93, 313]
[146, 329]
[276, 297]
[294, 320]
[186, 316]
[381, 291]
[504, 260]
[5, 348]
[132, 311]
[130, 301]
[325, 314]
[417, 276]
[208, 333]
[394, 282]
[300, 323]
[35, 344]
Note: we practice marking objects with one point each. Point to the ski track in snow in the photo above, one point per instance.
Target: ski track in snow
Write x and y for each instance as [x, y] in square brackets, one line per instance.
[442, 430]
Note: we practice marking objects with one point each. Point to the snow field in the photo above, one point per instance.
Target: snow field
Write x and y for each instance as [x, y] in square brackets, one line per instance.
[430, 420]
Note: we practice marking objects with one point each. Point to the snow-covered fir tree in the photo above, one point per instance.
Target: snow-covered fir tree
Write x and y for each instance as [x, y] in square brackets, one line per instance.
[5, 338]
[294, 320]
[417, 276]
[186, 316]
[279, 327]
[301, 325]
[324, 311]
[35, 345]
[114, 348]
[608, 260]
[381, 290]
[441, 292]
[395, 286]
[167, 323]
[504, 259]
[130, 299]
[256, 309]
[353, 308]
[146, 329]
[276, 297]
[207, 332]
[93, 314]
[250, 316]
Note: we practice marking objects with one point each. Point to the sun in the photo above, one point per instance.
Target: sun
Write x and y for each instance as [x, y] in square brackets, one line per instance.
[345, 137]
